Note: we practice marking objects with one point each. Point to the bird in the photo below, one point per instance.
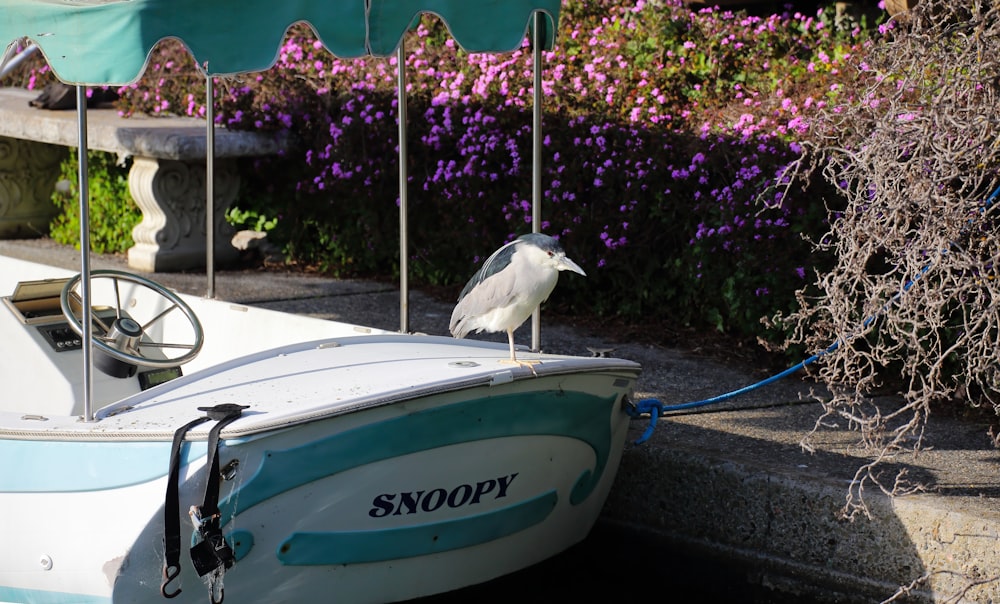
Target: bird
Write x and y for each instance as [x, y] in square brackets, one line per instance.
[509, 286]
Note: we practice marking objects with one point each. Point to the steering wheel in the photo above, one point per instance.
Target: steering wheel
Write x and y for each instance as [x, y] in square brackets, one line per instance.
[122, 339]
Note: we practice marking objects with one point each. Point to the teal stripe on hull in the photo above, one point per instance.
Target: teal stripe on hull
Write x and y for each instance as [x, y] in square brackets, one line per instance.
[41, 466]
[575, 415]
[37, 596]
[354, 547]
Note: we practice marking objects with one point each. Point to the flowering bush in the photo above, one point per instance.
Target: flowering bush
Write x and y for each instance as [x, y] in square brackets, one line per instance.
[666, 134]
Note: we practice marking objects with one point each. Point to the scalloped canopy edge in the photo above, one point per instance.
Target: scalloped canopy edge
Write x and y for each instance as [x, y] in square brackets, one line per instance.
[108, 42]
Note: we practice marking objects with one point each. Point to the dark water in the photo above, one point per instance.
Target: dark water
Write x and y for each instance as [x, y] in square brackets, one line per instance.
[614, 565]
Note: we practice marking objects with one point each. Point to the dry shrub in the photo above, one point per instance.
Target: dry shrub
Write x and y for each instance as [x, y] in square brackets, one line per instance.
[912, 303]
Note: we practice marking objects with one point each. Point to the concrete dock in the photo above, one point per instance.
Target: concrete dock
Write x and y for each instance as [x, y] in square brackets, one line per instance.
[732, 482]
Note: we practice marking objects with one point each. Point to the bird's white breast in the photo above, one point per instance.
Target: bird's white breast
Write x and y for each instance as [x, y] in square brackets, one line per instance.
[533, 288]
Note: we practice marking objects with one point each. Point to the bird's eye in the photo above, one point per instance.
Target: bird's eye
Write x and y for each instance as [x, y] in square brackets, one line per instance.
[551, 254]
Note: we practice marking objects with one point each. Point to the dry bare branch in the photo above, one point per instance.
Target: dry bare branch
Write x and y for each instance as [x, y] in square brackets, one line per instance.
[912, 301]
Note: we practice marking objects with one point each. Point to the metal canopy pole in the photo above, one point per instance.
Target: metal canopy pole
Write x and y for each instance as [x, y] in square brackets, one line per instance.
[536, 158]
[210, 184]
[86, 322]
[404, 265]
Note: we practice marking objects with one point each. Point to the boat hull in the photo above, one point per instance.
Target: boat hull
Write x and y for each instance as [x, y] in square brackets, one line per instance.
[382, 504]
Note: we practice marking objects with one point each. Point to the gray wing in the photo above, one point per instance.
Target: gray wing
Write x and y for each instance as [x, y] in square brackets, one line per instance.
[497, 291]
[497, 261]
[488, 289]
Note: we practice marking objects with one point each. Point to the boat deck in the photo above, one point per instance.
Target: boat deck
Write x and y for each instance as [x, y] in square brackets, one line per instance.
[285, 369]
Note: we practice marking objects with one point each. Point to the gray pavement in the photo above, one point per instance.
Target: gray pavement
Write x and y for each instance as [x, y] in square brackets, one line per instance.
[731, 483]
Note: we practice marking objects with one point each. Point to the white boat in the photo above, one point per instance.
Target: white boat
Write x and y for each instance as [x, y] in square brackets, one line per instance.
[369, 467]
[202, 449]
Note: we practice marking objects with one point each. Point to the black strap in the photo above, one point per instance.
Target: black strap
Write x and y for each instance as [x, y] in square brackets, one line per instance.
[224, 414]
[209, 511]
[171, 512]
[213, 552]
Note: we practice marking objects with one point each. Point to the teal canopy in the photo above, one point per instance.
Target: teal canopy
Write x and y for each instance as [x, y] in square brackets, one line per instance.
[477, 25]
[107, 42]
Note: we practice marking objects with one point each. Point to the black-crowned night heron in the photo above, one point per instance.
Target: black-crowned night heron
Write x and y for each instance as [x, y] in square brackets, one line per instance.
[509, 287]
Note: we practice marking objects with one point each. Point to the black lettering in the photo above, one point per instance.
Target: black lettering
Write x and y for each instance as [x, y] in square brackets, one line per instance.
[504, 482]
[382, 505]
[407, 499]
[463, 491]
[483, 488]
[439, 494]
[412, 502]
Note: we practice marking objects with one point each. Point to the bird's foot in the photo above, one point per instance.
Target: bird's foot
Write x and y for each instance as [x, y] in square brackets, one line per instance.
[529, 364]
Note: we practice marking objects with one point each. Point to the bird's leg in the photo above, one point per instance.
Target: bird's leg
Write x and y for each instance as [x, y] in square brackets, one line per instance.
[513, 357]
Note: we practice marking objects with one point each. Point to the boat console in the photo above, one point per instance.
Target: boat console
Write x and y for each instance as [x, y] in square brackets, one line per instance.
[43, 364]
[36, 304]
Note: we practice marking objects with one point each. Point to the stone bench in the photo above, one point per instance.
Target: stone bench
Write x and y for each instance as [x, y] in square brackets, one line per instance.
[167, 178]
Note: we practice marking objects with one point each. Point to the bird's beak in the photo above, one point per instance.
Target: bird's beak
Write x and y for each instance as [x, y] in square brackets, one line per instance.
[565, 264]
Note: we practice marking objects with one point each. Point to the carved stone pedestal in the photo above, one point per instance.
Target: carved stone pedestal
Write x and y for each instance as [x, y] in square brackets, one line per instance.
[28, 173]
[167, 180]
[171, 195]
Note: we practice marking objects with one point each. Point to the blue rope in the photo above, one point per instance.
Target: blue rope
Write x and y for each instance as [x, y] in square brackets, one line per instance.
[654, 408]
